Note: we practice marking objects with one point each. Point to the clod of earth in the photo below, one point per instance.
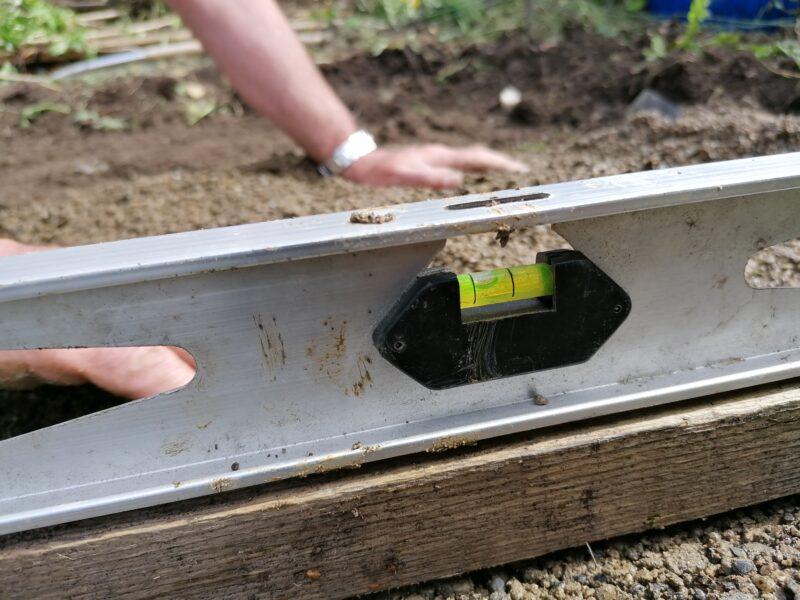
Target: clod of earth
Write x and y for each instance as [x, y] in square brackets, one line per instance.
[370, 217]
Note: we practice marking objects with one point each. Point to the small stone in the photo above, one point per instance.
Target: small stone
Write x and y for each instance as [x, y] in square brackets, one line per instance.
[638, 590]
[93, 166]
[699, 595]
[742, 566]
[788, 518]
[510, 97]
[499, 596]
[737, 595]
[755, 549]
[650, 101]
[194, 90]
[497, 584]
[765, 584]
[687, 557]
[658, 590]
[516, 590]
[532, 575]
[673, 580]
[606, 592]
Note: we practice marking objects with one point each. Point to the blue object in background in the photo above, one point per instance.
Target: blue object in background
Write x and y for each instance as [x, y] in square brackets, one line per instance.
[741, 13]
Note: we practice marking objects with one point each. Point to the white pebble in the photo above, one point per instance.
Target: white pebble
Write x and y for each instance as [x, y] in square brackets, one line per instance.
[510, 97]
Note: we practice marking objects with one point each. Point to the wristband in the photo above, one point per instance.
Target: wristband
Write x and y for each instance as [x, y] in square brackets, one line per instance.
[357, 145]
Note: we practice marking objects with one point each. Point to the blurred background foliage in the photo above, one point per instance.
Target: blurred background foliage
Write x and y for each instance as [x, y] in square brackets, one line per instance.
[40, 31]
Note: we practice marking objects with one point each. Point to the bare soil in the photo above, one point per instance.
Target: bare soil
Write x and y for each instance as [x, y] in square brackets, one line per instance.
[63, 183]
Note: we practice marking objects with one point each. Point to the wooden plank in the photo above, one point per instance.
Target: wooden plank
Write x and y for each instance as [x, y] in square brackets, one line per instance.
[401, 522]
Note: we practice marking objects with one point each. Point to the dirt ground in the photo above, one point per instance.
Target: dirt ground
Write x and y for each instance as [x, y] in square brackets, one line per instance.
[63, 182]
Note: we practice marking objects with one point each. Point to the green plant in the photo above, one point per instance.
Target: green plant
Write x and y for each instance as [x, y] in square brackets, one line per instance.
[658, 48]
[470, 21]
[195, 111]
[30, 113]
[26, 22]
[698, 13]
[635, 5]
[789, 48]
[462, 13]
[93, 120]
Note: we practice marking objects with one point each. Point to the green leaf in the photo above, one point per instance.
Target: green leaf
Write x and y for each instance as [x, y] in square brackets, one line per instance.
[25, 22]
[30, 113]
[658, 48]
[93, 120]
[698, 13]
[635, 6]
[790, 48]
[731, 39]
[196, 110]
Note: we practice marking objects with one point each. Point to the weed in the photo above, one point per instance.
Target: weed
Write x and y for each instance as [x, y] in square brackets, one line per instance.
[698, 13]
[479, 21]
[28, 22]
[658, 48]
[90, 119]
[789, 48]
[195, 111]
[30, 113]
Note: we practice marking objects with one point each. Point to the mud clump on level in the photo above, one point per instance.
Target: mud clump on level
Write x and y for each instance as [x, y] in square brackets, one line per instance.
[371, 217]
[451, 443]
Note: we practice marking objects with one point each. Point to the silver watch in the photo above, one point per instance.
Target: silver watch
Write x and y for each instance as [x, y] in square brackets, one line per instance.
[357, 145]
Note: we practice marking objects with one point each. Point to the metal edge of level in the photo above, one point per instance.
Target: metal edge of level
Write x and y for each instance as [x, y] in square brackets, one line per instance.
[180, 254]
[440, 434]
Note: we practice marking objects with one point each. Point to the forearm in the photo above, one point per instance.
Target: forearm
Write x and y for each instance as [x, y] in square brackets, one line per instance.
[254, 45]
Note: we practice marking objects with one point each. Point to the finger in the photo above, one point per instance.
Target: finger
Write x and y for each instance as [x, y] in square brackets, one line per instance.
[475, 158]
[435, 177]
[10, 247]
[23, 369]
[186, 357]
[135, 372]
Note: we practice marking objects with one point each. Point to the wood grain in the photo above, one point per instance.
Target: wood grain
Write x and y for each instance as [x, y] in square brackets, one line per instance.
[405, 521]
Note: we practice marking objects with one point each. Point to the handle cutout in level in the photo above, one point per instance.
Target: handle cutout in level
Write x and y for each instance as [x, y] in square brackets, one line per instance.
[776, 266]
[494, 201]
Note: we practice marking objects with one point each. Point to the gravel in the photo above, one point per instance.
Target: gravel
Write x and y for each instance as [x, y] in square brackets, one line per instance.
[752, 553]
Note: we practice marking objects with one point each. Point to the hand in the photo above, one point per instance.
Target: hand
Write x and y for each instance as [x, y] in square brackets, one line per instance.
[432, 165]
[134, 372]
